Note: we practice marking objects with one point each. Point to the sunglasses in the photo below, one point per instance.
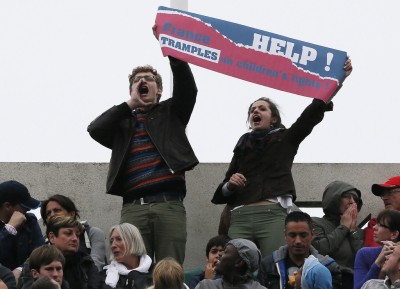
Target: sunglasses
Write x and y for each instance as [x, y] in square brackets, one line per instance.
[145, 77]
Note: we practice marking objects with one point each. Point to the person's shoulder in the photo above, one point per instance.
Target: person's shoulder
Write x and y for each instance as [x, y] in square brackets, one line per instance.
[84, 259]
[367, 251]
[210, 284]
[93, 230]
[321, 222]
[373, 284]
[31, 217]
[256, 285]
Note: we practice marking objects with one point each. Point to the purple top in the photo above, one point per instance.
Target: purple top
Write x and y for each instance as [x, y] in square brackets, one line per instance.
[365, 267]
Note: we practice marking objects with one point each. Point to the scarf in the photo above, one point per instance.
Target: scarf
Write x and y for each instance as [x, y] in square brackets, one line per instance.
[256, 139]
[115, 269]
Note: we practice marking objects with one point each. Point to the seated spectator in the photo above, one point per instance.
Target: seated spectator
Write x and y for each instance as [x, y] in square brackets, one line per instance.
[214, 250]
[130, 266]
[45, 282]
[290, 258]
[313, 275]
[336, 233]
[19, 231]
[389, 193]
[168, 274]
[45, 260]
[7, 278]
[369, 260]
[240, 260]
[91, 241]
[391, 268]
[79, 270]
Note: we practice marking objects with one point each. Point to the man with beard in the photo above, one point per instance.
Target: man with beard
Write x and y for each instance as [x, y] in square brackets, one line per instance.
[278, 268]
[391, 268]
[240, 260]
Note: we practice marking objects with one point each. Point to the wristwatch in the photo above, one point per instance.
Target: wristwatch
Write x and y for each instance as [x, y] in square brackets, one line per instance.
[355, 234]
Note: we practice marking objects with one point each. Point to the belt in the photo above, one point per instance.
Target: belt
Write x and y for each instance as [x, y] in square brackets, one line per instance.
[159, 198]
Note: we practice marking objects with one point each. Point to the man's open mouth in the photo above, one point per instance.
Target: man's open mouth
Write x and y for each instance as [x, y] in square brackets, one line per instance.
[143, 89]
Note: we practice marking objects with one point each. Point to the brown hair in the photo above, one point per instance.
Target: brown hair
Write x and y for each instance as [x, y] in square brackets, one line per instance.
[44, 255]
[64, 202]
[274, 111]
[391, 219]
[145, 68]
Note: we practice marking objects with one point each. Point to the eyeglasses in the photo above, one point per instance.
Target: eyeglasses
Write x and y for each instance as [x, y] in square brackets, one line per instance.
[389, 192]
[383, 226]
[145, 77]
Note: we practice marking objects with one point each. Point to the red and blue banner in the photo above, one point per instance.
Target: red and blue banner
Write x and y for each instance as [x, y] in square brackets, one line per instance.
[251, 54]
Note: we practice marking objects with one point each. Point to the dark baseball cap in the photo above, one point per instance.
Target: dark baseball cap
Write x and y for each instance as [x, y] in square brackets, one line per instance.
[393, 182]
[17, 193]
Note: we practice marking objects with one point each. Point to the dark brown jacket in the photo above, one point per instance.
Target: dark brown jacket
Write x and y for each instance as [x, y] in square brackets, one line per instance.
[165, 124]
[268, 171]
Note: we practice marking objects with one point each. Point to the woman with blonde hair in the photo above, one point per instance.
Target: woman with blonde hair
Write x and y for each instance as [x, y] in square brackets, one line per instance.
[130, 265]
[168, 274]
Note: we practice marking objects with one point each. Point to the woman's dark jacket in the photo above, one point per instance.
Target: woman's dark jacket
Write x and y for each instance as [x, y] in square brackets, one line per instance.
[134, 280]
[268, 170]
[81, 272]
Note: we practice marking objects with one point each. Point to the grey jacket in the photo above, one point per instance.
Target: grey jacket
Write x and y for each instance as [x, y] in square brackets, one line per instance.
[221, 284]
[334, 239]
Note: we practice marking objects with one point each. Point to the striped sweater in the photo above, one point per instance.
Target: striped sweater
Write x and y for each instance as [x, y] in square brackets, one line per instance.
[145, 170]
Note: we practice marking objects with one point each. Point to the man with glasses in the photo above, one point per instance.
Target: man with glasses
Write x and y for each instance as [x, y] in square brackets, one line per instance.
[336, 233]
[150, 154]
[389, 193]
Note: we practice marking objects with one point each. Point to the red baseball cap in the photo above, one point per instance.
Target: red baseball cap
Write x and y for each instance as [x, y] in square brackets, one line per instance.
[393, 182]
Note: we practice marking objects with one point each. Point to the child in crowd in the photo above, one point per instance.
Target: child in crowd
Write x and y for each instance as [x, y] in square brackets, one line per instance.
[214, 250]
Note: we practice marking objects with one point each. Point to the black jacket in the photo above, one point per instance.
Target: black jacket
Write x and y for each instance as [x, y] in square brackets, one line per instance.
[134, 280]
[165, 123]
[7, 277]
[81, 272]
[14, 250]
[268, 169]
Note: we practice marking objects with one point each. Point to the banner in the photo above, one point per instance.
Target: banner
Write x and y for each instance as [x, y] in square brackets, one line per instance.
[251, 54]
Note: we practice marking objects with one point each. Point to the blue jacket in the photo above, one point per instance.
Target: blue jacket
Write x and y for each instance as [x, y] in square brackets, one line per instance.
[272, 272]
[315, 275]
[14, 250]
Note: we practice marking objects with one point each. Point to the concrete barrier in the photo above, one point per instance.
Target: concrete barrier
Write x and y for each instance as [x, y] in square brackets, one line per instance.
[84, 183]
